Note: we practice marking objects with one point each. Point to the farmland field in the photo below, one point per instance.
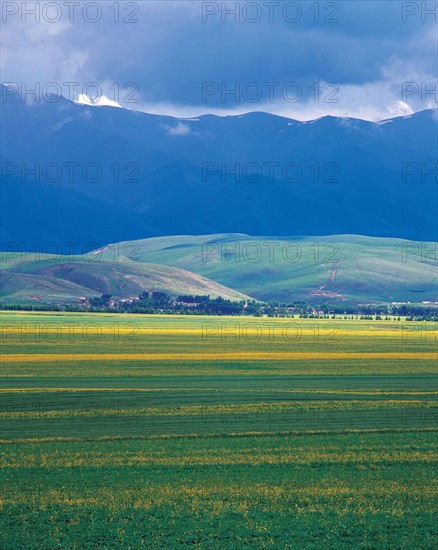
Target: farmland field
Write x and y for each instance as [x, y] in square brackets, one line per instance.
[128, 431]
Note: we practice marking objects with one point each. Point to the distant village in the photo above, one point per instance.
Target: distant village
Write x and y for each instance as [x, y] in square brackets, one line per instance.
[163, 303]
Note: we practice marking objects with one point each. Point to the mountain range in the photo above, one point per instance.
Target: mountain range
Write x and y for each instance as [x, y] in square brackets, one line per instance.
[106, 174]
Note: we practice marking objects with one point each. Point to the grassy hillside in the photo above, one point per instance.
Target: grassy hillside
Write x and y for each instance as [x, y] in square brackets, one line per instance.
[333, 268]
[52, 279]
[338, 267]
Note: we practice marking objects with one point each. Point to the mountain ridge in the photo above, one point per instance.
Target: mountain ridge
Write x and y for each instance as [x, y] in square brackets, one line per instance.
[256, 173]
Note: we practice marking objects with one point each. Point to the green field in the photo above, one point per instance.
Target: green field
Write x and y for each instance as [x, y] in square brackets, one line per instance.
[130, 431]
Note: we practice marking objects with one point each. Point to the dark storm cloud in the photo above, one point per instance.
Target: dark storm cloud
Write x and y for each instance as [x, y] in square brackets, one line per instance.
[172, 49]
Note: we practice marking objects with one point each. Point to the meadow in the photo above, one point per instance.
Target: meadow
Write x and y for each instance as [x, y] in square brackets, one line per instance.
[129, 431]
[367, 269]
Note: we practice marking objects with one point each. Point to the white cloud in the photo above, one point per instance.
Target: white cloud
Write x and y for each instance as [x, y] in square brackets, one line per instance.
[399, 108]
[377, 100]
[373, 102]
[180, 129]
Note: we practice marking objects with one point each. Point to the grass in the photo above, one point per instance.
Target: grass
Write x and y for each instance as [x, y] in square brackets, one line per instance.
[326, 491]
[286, 269]
[291, 268]
[28, 278]
[165, 431]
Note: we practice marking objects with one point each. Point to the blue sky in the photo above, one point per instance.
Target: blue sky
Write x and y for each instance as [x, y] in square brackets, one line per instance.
[298, 59]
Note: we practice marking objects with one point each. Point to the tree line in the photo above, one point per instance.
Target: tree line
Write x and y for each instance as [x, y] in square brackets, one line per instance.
[163, 303]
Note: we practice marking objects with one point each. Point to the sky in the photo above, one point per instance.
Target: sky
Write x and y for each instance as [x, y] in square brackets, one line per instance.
[365, 59]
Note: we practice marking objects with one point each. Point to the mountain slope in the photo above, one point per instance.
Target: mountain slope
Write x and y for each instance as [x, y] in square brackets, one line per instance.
[137, 175]
[38, 217]
[53, 280]
[339, 267]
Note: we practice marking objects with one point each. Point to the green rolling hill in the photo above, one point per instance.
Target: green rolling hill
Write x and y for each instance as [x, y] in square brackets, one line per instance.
[235, 266]
[53, 280]
[339, 267]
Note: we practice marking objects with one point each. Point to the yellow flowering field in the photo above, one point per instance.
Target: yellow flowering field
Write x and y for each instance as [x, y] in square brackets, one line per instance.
[167, 431]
